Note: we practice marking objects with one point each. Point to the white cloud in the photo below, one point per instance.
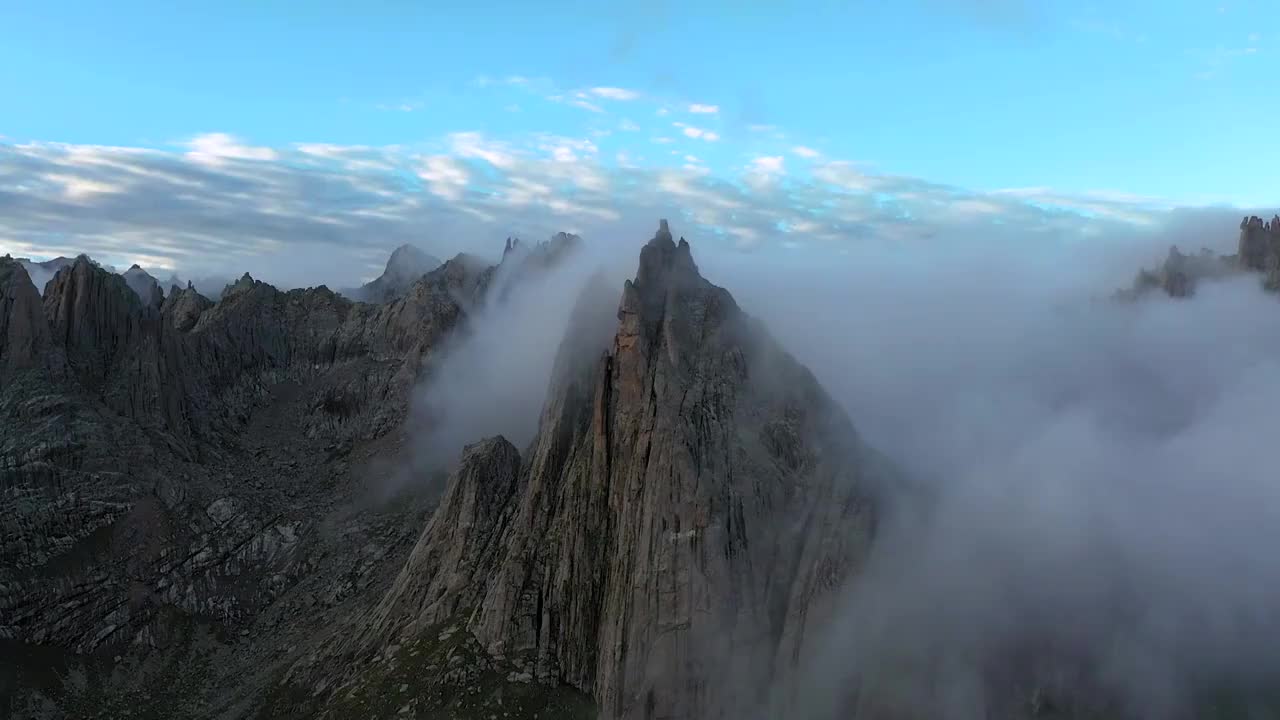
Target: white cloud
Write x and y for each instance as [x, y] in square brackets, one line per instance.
[77, 188]
[845, 176]
[662, 111]
[357, 158]
[214, 148]
[592, 107]
[548, 143]
[768, 164]
[445, 176]
[805, 152]
[628, 126]
[697, 133]
[613, 93]
[764, 171]
[704, 109]
[474, 145]
[325, 203]
[976, 207]
[400, 107]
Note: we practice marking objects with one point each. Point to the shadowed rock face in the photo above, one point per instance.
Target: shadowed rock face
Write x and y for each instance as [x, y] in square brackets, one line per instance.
[175, 463]
[678, 525]
[24, 335]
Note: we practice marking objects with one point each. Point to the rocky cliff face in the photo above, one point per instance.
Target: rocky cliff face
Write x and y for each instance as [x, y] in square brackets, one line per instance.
[668, 541]
[179, 471]
[22, 326]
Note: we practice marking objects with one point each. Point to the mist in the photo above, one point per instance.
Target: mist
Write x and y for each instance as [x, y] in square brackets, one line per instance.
[1098, 492]
[492, 379]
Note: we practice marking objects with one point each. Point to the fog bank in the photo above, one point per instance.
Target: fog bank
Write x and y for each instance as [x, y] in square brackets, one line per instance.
[1100, 496]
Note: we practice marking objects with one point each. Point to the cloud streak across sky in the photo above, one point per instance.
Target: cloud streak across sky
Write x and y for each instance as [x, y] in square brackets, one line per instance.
[310, 213]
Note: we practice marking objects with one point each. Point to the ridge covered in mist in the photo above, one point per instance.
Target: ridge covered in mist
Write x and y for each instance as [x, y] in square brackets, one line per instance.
[956, 489]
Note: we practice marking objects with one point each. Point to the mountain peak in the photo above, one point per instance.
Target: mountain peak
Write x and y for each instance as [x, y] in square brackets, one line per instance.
[625, 483]
[665, 265]
[406, 264]
[411, 258]
[145, 285]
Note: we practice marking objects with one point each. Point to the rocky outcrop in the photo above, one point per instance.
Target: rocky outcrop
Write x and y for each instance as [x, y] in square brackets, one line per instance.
[144, 285]
[445, 571]
[1179, 275]
[1258, 251]
[1259, 243]
[691, 498]
[520, 261]
[183, 307]
[406, 264]
[122, 423]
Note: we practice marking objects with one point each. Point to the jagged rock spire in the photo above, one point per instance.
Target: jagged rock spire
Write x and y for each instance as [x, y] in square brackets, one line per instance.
[689, 494]
[1259, 240]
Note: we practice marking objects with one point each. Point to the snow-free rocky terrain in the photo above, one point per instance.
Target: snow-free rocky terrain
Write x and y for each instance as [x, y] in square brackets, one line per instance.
[186, 527]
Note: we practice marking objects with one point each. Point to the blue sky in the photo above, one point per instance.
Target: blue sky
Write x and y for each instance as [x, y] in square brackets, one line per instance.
[1157, 104]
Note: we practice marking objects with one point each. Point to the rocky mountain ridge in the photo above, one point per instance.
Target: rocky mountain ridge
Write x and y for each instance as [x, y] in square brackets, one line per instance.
[173, 465]
[1258, 251]
[691, 500]
[670, 539]
[186, 531]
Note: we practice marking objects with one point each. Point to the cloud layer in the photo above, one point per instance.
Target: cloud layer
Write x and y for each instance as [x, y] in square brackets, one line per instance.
[1100, 493]
[312, 213]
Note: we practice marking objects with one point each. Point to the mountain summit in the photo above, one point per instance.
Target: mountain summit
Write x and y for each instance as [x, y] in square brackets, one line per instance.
[670, 541]
[406, 264]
